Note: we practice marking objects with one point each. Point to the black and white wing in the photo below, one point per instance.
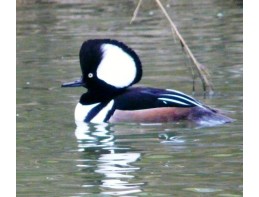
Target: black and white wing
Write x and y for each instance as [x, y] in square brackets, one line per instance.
[145, 98]
[175, 98]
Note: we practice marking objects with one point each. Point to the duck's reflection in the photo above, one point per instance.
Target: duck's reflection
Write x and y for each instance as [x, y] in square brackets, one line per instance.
[94, 136]
[101, 155]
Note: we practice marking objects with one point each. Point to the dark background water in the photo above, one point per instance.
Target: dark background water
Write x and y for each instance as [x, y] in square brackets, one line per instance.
[54, 158]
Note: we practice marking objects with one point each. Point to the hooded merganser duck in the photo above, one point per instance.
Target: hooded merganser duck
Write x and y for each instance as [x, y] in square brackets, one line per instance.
[109, 69]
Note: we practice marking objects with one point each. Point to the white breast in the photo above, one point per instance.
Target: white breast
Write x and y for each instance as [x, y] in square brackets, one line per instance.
[82, 111]
[100, 117]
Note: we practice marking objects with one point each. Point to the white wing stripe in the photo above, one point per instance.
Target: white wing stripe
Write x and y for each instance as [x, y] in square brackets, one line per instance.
[174, 92]
[173, 101]
[183, 98]
[178, 92]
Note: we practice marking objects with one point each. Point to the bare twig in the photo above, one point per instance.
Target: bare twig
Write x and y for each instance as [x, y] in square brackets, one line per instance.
[136, 12]
[201, 69]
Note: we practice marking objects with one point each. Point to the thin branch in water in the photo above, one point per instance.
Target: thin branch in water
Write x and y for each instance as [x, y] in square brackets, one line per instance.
[136, 12]
[200, 68]
[188, 64]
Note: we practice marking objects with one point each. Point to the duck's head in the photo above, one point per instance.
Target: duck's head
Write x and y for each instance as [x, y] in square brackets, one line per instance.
[107, 65]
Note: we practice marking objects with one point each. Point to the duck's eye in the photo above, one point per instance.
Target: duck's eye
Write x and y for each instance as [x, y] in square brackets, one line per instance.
[90, 75]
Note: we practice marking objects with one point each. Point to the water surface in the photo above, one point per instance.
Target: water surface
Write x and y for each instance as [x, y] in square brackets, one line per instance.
[56, 158]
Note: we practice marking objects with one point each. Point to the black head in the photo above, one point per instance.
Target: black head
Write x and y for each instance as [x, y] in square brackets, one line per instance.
[107, 65]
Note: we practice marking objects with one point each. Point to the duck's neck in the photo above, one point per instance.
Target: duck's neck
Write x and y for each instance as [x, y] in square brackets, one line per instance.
[95, 96]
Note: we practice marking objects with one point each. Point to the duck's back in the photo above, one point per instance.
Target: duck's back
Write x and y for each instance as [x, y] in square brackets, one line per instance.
[160, 105]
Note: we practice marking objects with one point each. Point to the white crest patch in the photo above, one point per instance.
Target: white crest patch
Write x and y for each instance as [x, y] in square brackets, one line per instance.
[117, 68]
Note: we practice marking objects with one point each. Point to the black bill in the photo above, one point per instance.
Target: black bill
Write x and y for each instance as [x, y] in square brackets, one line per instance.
[76, 83]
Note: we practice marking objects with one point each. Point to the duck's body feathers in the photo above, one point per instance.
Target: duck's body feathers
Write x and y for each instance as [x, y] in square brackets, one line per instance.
[109, 70]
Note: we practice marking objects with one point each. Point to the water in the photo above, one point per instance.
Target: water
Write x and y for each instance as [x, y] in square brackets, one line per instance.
[56, 158]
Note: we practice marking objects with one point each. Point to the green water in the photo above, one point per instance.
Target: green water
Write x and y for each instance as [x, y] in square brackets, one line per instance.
[55, 158]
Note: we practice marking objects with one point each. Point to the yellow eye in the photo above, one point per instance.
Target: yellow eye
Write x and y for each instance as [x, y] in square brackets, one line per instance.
[90, 75]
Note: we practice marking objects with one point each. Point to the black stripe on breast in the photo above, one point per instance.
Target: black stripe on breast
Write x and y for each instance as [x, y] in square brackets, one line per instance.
[109, 114]
[95, 111]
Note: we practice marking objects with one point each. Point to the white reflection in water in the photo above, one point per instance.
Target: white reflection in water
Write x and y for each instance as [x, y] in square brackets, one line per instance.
[111, 160]
[89, 135]
[116, 165]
